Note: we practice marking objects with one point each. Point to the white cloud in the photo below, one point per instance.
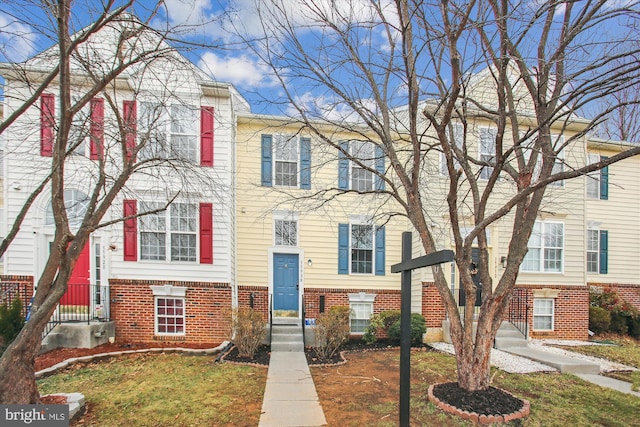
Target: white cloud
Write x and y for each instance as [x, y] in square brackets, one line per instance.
[325, 108]
[242, 71]
[188, 12]
[17, 40]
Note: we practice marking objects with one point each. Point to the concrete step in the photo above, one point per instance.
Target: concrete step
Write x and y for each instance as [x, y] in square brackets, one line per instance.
[562, 363]
[502, 343]
[287, 338]
[509, 336]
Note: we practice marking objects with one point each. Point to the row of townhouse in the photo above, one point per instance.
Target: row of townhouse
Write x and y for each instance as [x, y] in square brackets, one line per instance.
[251, 228]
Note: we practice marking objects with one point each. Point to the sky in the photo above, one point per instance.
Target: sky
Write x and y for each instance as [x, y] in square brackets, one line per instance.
[213, 26]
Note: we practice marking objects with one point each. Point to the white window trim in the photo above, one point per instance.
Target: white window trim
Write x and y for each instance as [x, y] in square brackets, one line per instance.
[597, 250]
[555, 141]
[362, 220]
[593, 177]
[286, 216]
[541, 269]
[168, 232]
[353, 165]
[274, 159]
[162, 125]
[486, 169]
[360, 298]
[169, 292]
[552, 314]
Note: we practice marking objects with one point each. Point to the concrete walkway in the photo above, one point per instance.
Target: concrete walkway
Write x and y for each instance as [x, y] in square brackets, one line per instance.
[290, 397]
[581, 368]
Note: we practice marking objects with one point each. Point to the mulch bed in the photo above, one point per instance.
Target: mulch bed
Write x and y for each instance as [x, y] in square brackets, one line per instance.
[263, 353]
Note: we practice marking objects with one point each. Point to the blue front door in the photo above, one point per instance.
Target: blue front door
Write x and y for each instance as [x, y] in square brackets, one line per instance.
[285, 282]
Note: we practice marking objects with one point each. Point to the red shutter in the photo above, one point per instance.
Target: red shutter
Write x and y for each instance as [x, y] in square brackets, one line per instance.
[206, 233]
[206, 136]
[47, 123]
[97, 129]
[129, 112]
[130, 231]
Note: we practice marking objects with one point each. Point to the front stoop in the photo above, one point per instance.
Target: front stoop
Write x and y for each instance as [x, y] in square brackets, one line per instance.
[509, 336]
[287, 336]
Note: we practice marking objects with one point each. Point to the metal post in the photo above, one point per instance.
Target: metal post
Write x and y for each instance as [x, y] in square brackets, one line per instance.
[405, 333]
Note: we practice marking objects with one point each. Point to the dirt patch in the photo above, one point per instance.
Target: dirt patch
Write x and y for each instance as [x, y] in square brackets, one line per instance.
[54, 399]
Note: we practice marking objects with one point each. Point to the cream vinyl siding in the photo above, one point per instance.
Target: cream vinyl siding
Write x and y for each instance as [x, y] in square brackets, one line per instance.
[620, 216]
[317, 227]
[565, 204]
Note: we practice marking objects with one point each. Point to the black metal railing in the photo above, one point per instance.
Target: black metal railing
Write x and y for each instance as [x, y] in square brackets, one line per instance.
[270, 317]
[456, 292]
[82, 303]
[304, 340]
[519, 310]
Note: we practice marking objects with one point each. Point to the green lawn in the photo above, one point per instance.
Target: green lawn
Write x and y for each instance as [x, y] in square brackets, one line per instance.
[622, 350]
[164, 390]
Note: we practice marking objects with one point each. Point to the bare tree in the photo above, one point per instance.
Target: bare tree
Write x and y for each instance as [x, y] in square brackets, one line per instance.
[422, 78]
[115, 50]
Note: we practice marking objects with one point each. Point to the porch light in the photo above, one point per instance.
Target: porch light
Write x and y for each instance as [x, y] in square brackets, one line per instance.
[309, 262]
[503, 261]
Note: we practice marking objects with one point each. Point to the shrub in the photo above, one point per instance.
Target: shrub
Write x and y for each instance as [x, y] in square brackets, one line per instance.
[418, 329]
[599, 319]
[11, 322]
[332, 330]
[249, 331]
[381, 321]
[625, 319]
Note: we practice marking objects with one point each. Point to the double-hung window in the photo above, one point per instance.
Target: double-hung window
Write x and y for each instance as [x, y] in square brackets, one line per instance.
[543, 311]
[286, 158]
[361, 170]
[179, 239]
[598, 181]
[184, 132]
[558, 165]
[286, 161]
[546, 248]
[168, 132]
[357, 161]
[597, 251]
[487, 150]
[361, 248]
[360, 316]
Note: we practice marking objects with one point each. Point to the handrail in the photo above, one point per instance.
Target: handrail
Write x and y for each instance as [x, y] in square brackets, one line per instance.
[304, 341]
[82, 303]
[519, 311]
[270, 317]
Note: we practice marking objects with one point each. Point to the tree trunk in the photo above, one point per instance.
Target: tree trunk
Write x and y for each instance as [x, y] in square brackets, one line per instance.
[17, 366]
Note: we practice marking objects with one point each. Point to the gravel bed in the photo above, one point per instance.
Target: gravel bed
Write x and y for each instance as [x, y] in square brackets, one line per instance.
[521, 365]
[605, 365]
[504, 361]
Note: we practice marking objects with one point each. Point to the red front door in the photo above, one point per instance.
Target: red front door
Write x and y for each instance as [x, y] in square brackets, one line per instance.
[78, 290]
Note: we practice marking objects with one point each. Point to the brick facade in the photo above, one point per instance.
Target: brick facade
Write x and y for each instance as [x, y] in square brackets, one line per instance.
[12, 286]
[207, 309]
[260, 299]
[386, 299]
[571, 310]
[630, 293]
